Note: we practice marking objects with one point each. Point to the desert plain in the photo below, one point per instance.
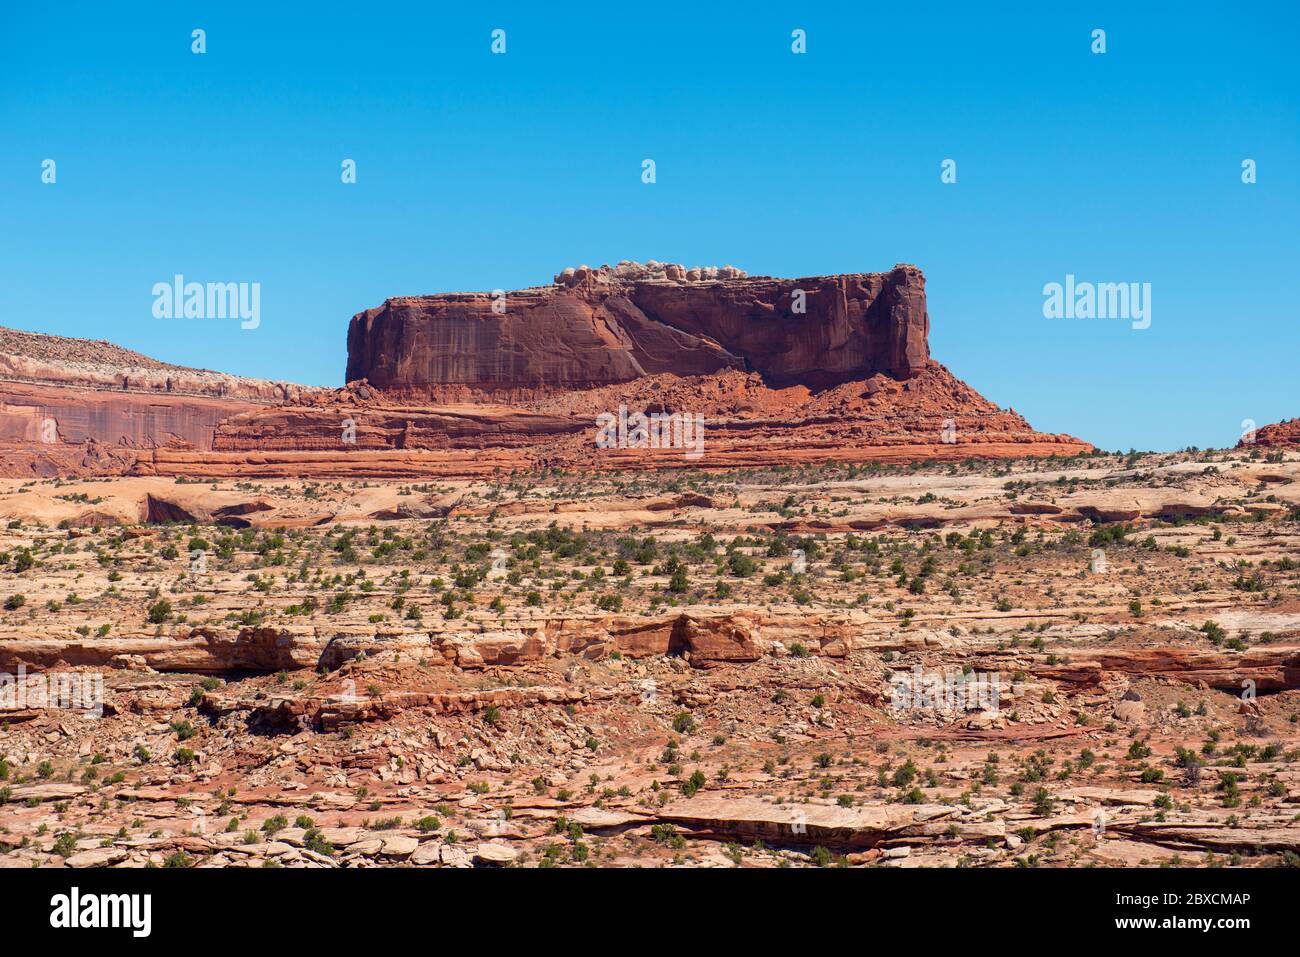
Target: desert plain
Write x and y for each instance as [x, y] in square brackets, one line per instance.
[1083, 660]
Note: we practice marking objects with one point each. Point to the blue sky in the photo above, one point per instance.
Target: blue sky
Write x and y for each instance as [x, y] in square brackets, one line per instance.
[478, 171]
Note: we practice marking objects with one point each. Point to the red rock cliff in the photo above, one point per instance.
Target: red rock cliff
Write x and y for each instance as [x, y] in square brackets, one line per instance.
[80, 406]
[595, 327]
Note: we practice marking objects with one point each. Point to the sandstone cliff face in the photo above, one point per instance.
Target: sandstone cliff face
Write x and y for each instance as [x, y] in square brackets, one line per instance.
[50, 415]
[616, 324]
[81, 407]
[33, 357]
[784, 371]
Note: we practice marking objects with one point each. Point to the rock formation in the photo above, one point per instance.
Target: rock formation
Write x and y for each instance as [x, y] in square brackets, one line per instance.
[41, 359]
[81, 407]
[1284, 434]
[747, 424]
[595, 327]
[778, 371]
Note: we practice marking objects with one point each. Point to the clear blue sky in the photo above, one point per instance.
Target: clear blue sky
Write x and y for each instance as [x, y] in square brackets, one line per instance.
[478, 171]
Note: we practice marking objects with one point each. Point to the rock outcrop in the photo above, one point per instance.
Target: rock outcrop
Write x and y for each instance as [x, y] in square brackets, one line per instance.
[45, 360]
[776, 371]
[747, 424]
[82, 407]
[595, 327]
[1279, 435]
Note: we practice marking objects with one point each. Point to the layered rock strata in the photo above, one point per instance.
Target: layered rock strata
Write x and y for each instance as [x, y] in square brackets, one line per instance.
[594, 327]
